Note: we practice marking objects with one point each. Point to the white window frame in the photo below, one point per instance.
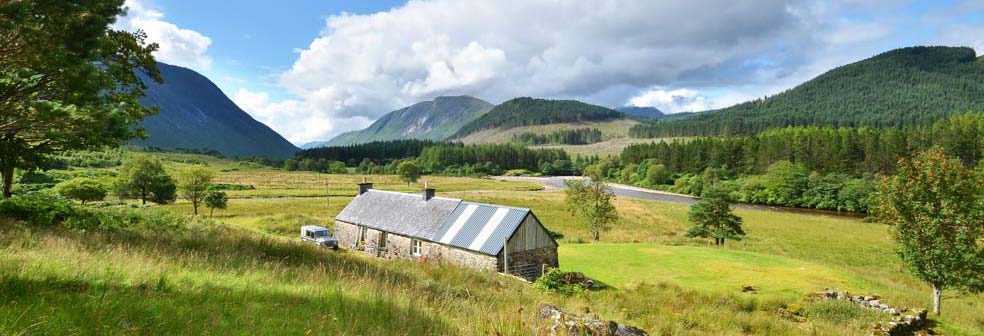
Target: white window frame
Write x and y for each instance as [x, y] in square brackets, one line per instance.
[416, 247]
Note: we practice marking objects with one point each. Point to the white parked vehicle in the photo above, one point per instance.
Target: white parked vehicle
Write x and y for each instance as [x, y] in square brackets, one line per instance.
[318, 235]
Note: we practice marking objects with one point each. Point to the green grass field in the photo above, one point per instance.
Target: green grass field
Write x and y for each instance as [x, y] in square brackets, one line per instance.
[245, 273]
[700, 268]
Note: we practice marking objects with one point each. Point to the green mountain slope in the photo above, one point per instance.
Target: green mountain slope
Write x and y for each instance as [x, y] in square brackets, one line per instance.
[194, 113]
[525, 111]
[899, 88]
[430, 120]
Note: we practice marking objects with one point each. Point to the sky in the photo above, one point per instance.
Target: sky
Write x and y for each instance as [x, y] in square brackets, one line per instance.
[314, 69]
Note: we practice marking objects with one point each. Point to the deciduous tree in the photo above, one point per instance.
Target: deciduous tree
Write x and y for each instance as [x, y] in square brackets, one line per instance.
[193, 184]
[215, 199]
[143, 176]
[408, 171]
[934, 204]
[83, 189]
[591, 200]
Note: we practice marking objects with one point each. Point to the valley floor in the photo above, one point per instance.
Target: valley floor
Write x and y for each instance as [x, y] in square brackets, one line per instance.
[244, 273]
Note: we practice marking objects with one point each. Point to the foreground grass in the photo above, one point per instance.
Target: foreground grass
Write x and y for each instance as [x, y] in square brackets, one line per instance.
[218, 279]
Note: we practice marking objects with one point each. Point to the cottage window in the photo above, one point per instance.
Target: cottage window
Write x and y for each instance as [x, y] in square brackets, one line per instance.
[382, 240]
[415, 247]
[362, 235]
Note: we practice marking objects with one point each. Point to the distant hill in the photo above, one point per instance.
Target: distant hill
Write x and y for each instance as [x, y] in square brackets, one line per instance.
[900, 88]
[194, 113]
[430, 120]
[527, 111]
[650, 112]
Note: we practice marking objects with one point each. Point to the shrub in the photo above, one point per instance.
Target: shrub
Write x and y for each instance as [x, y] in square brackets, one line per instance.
[554, 281]
[39, 208]
[83, 189]
[46, 210]
[225, 186]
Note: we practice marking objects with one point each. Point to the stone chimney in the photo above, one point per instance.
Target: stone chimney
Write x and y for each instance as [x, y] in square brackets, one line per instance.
[365, 186]
[428, 192]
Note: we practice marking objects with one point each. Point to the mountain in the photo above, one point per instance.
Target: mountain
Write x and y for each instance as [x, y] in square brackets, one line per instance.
[525, 111]
[194, 113]
[650, 112]
[899, 88]
[430, 120]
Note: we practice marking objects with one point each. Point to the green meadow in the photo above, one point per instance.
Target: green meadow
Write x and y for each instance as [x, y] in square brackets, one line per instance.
[242, 271]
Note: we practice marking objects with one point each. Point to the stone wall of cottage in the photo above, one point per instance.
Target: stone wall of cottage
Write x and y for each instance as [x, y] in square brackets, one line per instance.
[539, 257]
[398, 246]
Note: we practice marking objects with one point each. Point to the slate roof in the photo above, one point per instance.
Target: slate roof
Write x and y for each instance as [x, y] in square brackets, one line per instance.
[473, 226]
[400, 213]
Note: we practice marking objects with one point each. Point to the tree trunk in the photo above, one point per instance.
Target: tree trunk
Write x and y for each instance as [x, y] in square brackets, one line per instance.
[8, 181]
[195, 206]
[211, 211]
[937, 298]
[143, 196]
[722, 241]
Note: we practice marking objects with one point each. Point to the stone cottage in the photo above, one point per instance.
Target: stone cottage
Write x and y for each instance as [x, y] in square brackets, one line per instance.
[421, 226]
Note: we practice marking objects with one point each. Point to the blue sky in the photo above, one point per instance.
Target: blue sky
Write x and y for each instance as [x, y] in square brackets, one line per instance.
[314, 69]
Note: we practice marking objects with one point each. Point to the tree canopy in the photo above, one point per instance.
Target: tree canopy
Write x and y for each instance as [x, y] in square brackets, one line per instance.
[712, 217]
[193, 184]
[934, 204]
[591, 200]
[67, 80]
[143, 176]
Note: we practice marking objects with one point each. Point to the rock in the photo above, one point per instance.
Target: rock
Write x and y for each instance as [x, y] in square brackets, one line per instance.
[892, 311]
[624, 330]
[884, 306]
[588, 326]
[747, 288]
[874, 303]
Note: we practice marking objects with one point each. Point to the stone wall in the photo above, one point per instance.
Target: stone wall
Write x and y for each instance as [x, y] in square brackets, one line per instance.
[400, 247]
[905, 321]
[535, 258]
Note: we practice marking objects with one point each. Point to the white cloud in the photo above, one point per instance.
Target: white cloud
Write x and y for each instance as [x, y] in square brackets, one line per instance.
[677, 55]
[362, 66]
[672, 101]
[178, 46]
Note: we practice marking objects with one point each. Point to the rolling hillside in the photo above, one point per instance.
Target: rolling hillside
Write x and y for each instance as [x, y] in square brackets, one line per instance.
[899, 88]
[650, 112]
[194, 113]
[525, 111]
[618, 128]
[430, 120]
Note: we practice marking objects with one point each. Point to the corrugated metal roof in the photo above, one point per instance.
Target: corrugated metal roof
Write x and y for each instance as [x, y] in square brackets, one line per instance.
[400, 213]
[480, 227]
[473, 226]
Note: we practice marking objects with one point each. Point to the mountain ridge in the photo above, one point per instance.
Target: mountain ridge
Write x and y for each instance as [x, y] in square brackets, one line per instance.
[899, 88]
[195, 113]
[433, 120]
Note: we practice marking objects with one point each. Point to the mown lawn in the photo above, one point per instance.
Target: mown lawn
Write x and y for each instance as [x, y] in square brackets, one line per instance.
[711, 269]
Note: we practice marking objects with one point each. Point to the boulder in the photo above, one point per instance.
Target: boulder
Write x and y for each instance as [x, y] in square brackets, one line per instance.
[570, 324]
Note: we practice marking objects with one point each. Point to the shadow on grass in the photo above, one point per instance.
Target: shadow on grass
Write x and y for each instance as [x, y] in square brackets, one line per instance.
[73, 306]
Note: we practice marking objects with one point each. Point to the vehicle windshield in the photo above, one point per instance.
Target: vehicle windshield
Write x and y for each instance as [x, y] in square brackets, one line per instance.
[320, 233]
